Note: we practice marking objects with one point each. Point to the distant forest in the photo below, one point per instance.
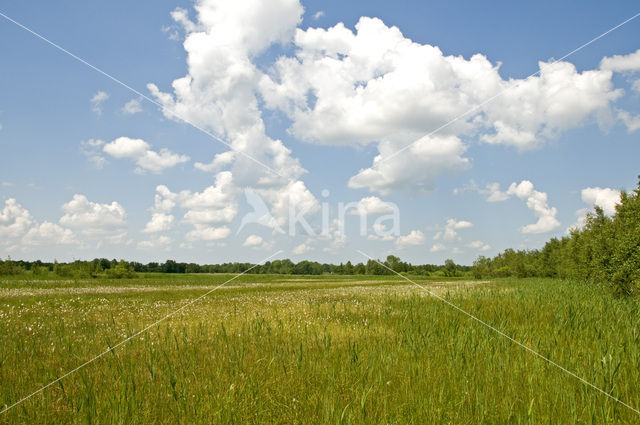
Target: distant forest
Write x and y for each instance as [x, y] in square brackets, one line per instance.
[123, 269]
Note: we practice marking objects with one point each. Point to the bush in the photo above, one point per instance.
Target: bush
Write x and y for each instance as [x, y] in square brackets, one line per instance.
[9, 267]
[121, 270]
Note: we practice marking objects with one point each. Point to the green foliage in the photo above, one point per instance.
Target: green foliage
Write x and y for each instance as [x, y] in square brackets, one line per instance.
[9, 267]
[450, 268]
[121, 270]
[606, 250]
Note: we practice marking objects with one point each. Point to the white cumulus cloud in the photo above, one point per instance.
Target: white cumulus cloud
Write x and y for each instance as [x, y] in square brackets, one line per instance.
[253, 240]
[14, 221]
[605, 198]
[622, 63]
[450, 229]
[203, 232]
[97, 100]
[415, 237]
[375, 85]
[95, 220]
[140, 151]
[207, 210]
[372, 205]
[220, 94]
[416, 168]
[132, 107]
[302, 249]
[160, 242]
[537, 202]
[159, 222]
[631, 121]
[479, 245]
[48, 233]
[437, 248]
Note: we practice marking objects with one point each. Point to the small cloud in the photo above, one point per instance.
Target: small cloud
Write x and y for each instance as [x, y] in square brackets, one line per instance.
[491, 191]
[161, 242]
[537, 202]
[319, 14]
[159, 222]
[605, 198]
[438, 247]
[302, 248]
[256, 242]
[622, 63]
[450, 228]
[132, 107]
[253, 240]
[415, 237]
[92, 149]
[479, 245]
[631, 121]
[140, 151]
[203, 232]
[373, 205]
[98, 161]
[97, 100]
[220, 160]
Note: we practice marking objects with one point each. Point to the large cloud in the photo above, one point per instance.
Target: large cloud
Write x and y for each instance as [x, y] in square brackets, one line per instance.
[355, 87]
[375, 85]
[219, 94]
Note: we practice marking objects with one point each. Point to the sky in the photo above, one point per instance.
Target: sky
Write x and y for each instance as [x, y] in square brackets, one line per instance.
[215, 131]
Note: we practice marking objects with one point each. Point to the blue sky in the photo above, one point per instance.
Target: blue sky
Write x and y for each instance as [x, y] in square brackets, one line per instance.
[81, 176]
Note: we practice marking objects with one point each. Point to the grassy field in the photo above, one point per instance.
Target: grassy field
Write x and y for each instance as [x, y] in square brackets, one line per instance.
[292, 349]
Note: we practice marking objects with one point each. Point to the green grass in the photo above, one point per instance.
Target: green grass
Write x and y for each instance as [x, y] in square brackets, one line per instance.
[300, 349]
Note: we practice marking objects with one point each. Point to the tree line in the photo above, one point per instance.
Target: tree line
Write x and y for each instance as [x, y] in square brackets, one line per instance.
[605, 250]
[102, 267]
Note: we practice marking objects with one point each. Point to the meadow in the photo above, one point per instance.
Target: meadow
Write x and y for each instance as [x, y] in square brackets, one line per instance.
[316, 349]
